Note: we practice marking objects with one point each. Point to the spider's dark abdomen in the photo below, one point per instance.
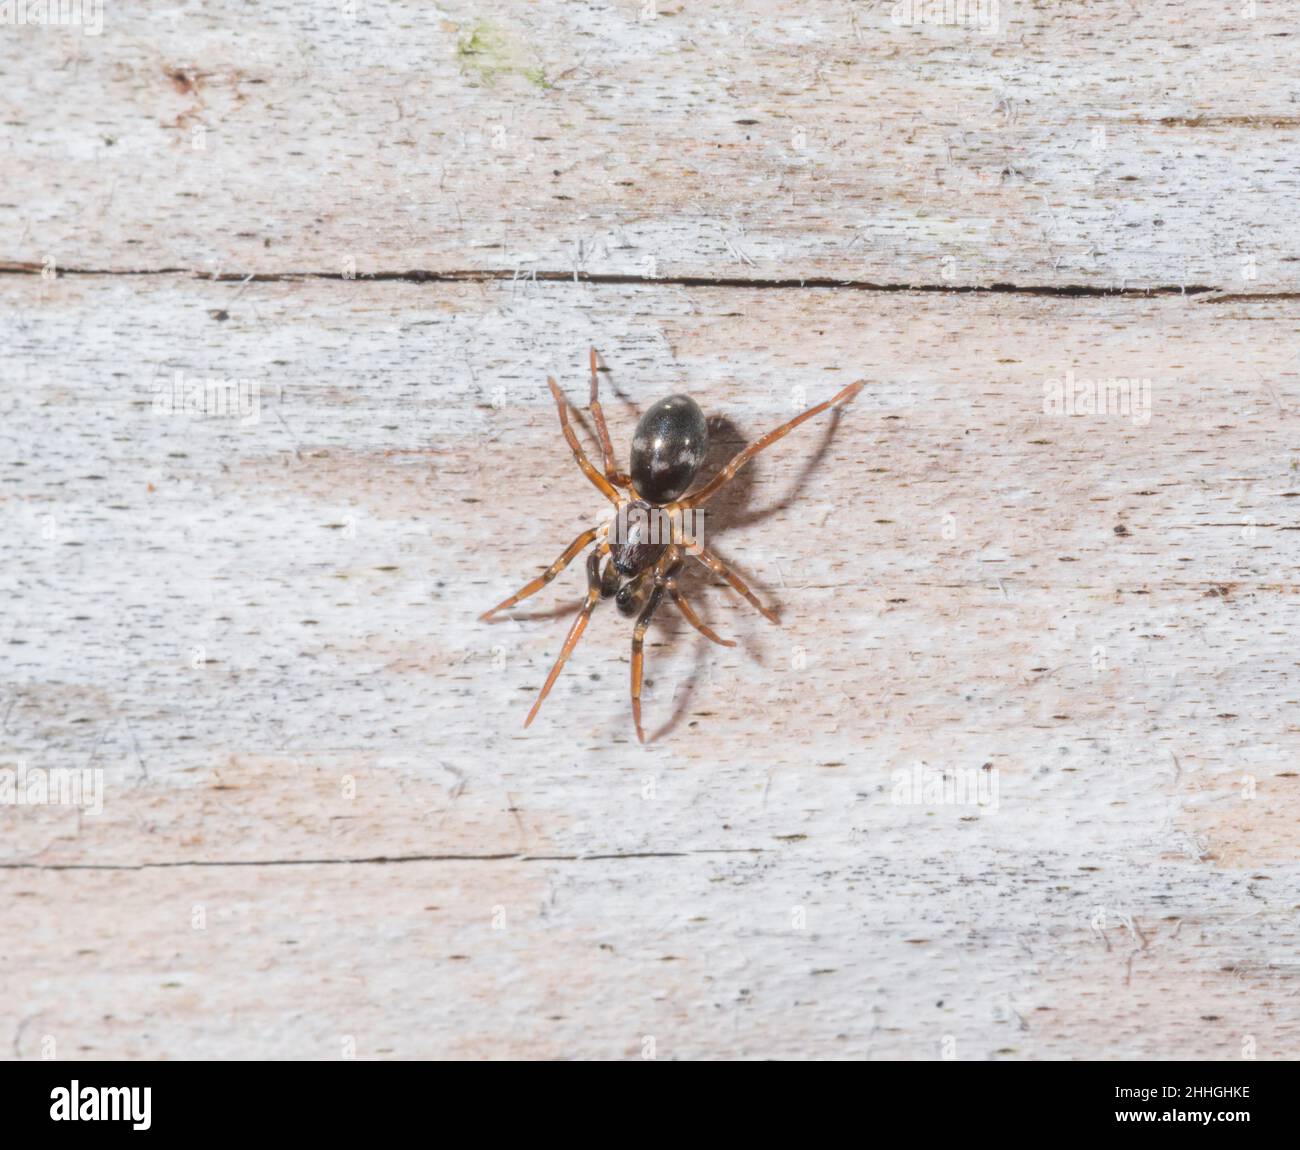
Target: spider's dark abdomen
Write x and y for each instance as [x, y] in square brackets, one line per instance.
[668, 447]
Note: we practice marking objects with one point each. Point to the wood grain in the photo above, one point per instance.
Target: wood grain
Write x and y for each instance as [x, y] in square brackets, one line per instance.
[1101, 146]
[262, 633]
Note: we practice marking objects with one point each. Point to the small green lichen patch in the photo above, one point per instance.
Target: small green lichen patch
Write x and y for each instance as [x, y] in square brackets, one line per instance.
[489, 53]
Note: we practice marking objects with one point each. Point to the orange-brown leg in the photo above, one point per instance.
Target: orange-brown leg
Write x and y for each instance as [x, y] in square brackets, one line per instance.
[693, 619]
[718, 567]
[546, 576]
[612, 472]
[575, 631]
[638, 639]
[744, 456]
[606, 488]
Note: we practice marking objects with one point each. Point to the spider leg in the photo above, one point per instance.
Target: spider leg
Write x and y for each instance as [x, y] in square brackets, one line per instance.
[546, 576]
[612, 472]
[718, 567]
[575, 631]
[741, 458]
[693, 619]
[638, 638]
[606, 488]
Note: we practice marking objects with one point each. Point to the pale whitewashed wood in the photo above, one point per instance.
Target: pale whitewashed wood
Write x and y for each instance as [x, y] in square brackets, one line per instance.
[264, 636]
[1104, 144]
[324, 832]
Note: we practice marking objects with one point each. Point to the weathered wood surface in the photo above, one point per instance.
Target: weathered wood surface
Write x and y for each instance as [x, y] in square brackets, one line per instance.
[263, 634]
[1100, 145]
[324, 832]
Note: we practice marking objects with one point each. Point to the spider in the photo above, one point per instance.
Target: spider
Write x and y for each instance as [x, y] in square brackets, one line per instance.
[648, 541]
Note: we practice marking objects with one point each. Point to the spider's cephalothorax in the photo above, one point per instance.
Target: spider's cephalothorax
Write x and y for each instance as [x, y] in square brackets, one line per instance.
[644, 544]
[637, 537]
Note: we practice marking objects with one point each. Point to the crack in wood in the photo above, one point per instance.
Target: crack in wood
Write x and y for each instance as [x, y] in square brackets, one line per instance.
[620, 279]
[377, 860]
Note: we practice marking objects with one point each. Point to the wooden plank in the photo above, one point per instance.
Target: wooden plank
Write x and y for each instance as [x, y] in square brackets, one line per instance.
[971, 959]
[261, 631]
[1099, 146]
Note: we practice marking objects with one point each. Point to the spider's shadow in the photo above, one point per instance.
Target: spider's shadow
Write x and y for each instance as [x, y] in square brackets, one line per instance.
[733, 507]
[676, 632]
[563, 609]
